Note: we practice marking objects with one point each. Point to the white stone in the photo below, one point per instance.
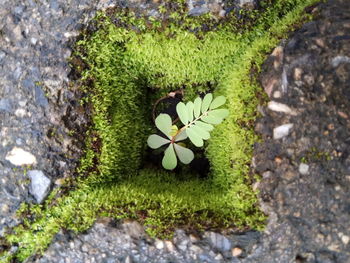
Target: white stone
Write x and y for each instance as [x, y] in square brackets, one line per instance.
[219, 257]
[241, 3]
[345, 239]
[277, 94]
[18, 156]
[236, 251]
[128, 260]
[303, 169]
[159, 244]
[169, 245]
[282, 131]
[33, 40]
[222, 13]
[20, 113]
[280, 107]
[340, 59]
[39, 186]
[196, 249]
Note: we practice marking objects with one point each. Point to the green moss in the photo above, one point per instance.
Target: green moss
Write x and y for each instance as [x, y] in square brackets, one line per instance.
[126, 69]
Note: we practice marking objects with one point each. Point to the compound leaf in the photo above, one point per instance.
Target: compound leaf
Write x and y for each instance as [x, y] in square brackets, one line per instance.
[185, 155]
[163, 123]
[195, 139]
[169, 161]
[220, 113]
[181, 110]
[217, 102]
[205, 126]
[200, 132]
[197, 107]
[206, 102]
[190, 107]
[155, 141]
[211, 119]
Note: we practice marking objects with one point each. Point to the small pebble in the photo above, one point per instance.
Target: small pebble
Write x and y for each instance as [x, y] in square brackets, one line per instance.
[282, 131]
[40, 185]
[345, 239]
[19, 157]
[20, 113]
[297, 73]
[169, 245]
[159, 244]
[236, 251]
[277, 94]
[340, 59]
[303, 169]
[280, 107]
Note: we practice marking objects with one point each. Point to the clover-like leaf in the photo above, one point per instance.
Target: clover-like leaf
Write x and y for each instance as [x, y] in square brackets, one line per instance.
[217, 102]
[174, 130]
[169, 161]
[181, 136]
[206, 102]
[197, 107]
[164, 123]
[181, 110]
[185, 155]
[155, 141]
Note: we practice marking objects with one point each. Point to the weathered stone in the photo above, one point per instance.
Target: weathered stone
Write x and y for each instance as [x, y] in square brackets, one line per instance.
[282, 131]
[219, 241]
[303, 168]
[236, 251]
[280, 107]
[18, 156]
[340, 59]
[159, 244]
[39, 186]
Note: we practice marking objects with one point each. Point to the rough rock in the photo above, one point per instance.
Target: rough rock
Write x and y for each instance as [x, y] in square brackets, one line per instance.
[218, 241]
[306, 193]
[38, 109]
[39, 186]
[18, 157]
[282, 131]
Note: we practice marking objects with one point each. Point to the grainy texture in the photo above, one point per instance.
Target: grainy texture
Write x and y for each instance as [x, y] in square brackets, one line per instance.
[306, 172]
[35, 99]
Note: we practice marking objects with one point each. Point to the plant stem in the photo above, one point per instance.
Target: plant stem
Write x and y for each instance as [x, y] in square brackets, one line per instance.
[188, 125]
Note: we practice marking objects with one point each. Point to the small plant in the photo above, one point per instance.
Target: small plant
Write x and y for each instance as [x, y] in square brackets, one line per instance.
[198, 118]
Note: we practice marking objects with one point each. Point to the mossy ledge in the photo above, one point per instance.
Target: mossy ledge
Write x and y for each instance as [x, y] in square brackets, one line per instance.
[127, 68]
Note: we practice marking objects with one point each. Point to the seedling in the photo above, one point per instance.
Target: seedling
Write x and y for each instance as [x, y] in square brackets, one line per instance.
[198, 118]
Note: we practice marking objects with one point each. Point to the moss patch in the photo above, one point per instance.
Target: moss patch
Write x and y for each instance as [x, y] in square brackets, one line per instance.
[129, 62]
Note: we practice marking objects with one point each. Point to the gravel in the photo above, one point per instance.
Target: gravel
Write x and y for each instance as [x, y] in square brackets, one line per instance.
[306, 182]
[35, 97]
